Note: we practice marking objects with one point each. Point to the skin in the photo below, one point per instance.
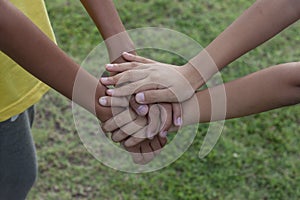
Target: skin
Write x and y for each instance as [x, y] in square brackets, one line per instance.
[267, 89]
[271, 88]
[255, 26]
[263, 20]
[104, 14]
[50, 64]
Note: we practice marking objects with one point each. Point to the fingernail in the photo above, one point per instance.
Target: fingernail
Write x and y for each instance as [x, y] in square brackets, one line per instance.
[178, 121]
[142, 110]
[110, 91]
[104, 80]
[103, 101]
[150, 136]
[109, 66]
[125, 53]
[140, 97]
[163, 134]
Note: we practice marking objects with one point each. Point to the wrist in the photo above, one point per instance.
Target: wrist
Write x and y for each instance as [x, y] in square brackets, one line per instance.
[190, 111]
[192, 75]
[203, 66]
[118, 44]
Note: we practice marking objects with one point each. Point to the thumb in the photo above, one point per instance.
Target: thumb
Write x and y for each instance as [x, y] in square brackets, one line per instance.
[131, 57]
[156, 96]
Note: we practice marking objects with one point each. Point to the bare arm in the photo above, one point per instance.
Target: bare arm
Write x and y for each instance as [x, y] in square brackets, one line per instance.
[261, 91]
[21, 40]
[262, 21]
[109, 24]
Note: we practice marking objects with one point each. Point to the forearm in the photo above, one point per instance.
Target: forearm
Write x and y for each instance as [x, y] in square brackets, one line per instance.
[267, 89]
[263, 20]
[109, 24]
[21, 40]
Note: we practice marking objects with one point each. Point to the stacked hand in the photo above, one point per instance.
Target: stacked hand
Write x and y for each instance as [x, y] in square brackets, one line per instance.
[142, 127]
[152, 81]
[130, 129]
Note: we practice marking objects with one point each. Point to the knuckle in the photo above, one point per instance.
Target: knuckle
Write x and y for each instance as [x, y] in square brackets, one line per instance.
[119, 136]
[132, 87]
[114, 137]
[107, 126]
[133, 141]
[118, 120]
[128, 76]
[115, 79]
[135, 64]
[137, 138]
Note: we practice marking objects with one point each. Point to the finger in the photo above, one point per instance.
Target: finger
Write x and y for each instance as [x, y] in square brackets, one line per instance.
[163, 141]
[135, 153]
[119, 120]
[134, 126]
[173, 129]
[122, 67]
[141, 110]
[129, 129]
[118, 136]
[166, 118]
[155, 145]
[110, 80]
[136, 138]
[131, 57]
[114, 111]
[177, 118]
[154, 121]
[155, 96]
[131, 88]
[124, 77]
[109, 101]
[107, 134]
[147, 152]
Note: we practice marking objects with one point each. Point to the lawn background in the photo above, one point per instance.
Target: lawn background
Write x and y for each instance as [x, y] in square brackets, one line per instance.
[257, 157]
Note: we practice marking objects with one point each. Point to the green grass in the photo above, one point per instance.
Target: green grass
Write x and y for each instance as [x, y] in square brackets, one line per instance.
[257, 157]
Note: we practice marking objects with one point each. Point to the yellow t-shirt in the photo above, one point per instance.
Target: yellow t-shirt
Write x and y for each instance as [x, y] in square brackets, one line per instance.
[19, 89]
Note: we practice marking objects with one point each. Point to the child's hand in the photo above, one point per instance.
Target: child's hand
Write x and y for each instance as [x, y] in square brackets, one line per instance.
[144, 152]
[158, 120]
[133, 133]
[152, 81]
[133, 129]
